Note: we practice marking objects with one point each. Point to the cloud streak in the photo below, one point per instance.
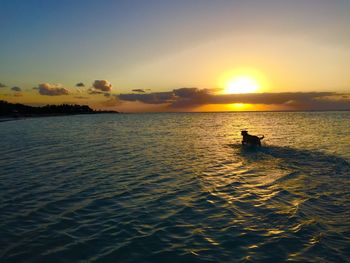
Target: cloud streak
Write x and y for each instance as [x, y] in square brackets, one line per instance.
[80, 84]
[18, 89]
[149, 98]
[187, 98]
[139, 90]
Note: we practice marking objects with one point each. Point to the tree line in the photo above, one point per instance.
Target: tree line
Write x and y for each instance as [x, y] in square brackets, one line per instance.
[17, 109]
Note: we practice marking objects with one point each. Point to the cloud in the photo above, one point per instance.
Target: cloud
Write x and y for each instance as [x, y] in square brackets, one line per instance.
[190, 92]
[80, 84]
[139, 90]
[151, 98]
[102, 85]
[48, 89]
[18, 89]
[94, 92]
[2, 85]
[192, 97]
[97, 92]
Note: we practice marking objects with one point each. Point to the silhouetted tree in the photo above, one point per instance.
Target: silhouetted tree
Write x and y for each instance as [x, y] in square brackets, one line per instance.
[17, 109]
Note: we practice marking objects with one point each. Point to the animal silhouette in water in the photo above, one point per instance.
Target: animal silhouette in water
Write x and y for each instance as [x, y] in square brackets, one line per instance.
[251, 140]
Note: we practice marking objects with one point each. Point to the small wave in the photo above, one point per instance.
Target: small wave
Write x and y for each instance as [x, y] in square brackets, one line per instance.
[130, 191]
[294, 161]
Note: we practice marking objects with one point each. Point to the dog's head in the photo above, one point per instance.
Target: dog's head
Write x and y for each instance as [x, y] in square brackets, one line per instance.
[244, 133]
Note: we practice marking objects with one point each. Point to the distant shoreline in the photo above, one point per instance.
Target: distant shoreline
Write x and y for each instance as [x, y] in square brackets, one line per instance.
[17, 111]
[5, 118]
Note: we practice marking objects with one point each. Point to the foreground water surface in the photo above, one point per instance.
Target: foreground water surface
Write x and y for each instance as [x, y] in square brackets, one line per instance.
[175, 187]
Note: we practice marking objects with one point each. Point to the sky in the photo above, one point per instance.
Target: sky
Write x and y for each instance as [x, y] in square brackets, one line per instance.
[184, 55]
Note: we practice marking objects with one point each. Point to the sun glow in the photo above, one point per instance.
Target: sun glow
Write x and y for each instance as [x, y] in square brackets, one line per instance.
[245, 80]
[240, 106]
[242, 84]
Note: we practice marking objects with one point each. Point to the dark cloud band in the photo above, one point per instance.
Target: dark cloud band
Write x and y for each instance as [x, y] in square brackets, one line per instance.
[191, 97]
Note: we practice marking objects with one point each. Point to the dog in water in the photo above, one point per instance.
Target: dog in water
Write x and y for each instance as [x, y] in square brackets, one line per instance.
[251, 140]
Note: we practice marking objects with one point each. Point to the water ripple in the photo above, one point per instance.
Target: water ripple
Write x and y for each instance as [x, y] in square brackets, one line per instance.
[174, 188]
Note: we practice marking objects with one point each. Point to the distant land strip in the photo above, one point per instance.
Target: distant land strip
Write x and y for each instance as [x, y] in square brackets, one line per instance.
[10, 111]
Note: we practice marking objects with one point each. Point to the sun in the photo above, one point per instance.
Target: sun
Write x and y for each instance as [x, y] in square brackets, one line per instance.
[242, 80]
[241, 84]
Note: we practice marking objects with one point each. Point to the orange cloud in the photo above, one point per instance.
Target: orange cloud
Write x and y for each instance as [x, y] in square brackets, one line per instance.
[48, 89]
[102, 85]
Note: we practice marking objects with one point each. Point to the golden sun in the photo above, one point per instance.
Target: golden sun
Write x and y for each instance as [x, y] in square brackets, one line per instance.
[242, 80]
[241, 84]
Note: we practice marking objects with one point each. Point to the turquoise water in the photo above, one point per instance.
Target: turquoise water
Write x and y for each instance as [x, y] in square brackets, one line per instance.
[175, 187]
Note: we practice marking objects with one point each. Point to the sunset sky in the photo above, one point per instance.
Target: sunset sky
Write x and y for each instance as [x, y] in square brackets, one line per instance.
[184, 55]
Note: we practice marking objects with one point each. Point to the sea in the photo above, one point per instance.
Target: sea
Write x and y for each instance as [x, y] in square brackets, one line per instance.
[176, 187]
